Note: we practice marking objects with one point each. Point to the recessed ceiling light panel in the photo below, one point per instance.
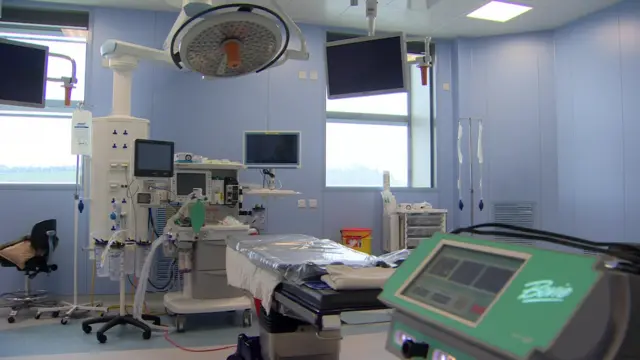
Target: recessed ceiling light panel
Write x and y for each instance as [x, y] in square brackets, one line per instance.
[499, 11]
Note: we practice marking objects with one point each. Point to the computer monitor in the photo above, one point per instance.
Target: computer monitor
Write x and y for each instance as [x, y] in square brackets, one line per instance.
[23, 73]
[153, 159]
[366, 66]
[272, 150]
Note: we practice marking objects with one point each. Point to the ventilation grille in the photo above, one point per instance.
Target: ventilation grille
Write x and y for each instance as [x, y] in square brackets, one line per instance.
[165, 267]
[516, 214]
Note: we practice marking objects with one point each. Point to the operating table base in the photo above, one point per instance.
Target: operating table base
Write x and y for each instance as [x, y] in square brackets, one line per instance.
[112, 321]
[248, 348]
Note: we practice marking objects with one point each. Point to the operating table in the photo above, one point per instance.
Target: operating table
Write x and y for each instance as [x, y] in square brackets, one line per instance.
[304, 322]
[300, 317]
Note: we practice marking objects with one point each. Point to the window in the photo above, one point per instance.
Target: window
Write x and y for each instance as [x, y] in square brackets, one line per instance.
[42, 138]
[357, 154]
[366, 136]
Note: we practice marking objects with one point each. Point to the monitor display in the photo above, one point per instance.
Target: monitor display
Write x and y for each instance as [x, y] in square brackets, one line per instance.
[187, 181]
[366, 66]
[462, 282]
[153, 158]
[272, 149]
[23, 73]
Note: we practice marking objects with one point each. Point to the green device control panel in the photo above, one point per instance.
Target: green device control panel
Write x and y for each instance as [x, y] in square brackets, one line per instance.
[459, 298]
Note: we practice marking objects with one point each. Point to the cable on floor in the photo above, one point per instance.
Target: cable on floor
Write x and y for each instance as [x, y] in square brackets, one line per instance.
[170, 341]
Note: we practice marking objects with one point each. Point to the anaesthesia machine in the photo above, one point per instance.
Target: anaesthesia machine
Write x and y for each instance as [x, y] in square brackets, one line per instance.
[459, 298]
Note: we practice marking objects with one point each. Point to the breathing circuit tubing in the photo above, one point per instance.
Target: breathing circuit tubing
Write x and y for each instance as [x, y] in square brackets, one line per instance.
[460, 161]
[480, 166]
[138, 302]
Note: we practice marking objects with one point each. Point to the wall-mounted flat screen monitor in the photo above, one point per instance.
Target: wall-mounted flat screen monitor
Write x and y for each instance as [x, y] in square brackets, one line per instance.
[366, 66]
[23, 73]
[272, 150]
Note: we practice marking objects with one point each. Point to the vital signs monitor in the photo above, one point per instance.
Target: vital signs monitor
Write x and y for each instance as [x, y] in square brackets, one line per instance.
[153, 159]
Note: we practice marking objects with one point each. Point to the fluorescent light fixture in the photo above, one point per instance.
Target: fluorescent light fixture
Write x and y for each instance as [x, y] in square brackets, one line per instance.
[499, 11]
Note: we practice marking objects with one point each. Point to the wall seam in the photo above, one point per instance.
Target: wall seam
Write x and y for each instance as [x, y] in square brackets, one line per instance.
[624, 175]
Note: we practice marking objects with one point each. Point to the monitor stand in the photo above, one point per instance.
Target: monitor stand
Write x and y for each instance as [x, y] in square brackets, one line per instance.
[271, 178]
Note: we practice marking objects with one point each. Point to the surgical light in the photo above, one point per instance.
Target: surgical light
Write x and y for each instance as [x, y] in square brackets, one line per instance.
[499, 11]
[232, 40]
[222, 41]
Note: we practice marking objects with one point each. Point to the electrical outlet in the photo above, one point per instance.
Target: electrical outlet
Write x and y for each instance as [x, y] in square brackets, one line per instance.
[302, 75]
[446, 87]
[302, 203]
[313, 75]
[313, 203]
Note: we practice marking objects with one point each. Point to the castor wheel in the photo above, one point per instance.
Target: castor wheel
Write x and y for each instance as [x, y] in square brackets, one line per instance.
[146, 335]
[11, 319]
[102, 338]
[87, 329]
[246, 318]
[53, 267]
[38, 316]
[180, 321]
[64, 321]
[55, 314]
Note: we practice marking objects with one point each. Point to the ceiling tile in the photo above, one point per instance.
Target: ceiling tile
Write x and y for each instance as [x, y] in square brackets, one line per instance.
[443, 18]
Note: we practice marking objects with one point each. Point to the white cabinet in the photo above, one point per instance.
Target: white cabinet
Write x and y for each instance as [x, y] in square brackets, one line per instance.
[416, 227]
[406, 229]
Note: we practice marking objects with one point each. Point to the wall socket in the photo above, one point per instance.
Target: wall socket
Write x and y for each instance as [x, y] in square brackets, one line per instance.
[313, 203]
[302, 203]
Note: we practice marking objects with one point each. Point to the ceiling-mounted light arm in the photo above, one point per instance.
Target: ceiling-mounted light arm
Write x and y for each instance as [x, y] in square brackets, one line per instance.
[68, 83]
[116, 48]
[372, 13]
[301, 54]
[427, 60]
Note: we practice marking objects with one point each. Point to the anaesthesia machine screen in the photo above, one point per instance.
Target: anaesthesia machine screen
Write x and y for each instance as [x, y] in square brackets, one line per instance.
[187, 181]
[462, 282]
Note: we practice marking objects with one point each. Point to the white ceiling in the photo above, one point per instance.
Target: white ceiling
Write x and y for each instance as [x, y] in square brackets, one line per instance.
[436, 18]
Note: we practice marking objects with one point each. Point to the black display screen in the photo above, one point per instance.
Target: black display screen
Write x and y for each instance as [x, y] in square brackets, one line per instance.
[371, 66]
[153, 158]
[23, 73]
[272, 150]
[186, 182]
[461, 281]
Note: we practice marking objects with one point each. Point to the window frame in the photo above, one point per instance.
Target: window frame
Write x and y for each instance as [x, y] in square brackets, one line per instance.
[382, 119]
[48, 23]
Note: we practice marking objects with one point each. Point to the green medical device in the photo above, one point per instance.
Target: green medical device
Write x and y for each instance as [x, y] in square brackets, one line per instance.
[459, 298]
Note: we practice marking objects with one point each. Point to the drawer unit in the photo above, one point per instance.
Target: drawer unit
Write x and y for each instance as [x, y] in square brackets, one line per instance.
[213, 285]
[420, 226]
[209, 255]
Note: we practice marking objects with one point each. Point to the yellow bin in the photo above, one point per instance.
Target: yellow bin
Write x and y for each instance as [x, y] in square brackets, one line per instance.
[357, 239]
